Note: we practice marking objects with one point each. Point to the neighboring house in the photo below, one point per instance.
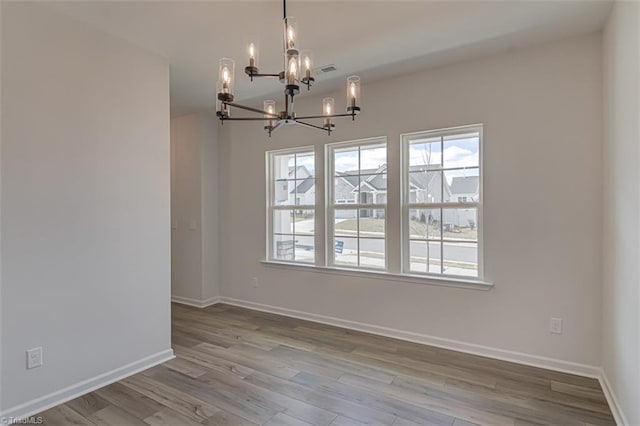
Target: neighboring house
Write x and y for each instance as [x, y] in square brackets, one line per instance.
[464, 189]
[304, 192]
[426, 185]
[298, 188]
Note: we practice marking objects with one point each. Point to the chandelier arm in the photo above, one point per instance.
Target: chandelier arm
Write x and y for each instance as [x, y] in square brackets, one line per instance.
[243, 119]
[313, 126]
[264, 75]
[246, 108]
[277, 126]
[310, 117]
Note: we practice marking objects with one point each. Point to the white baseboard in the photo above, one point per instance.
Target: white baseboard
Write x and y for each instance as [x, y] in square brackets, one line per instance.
[471, 348]
[66, 394]
[616, 410]
[195, 302]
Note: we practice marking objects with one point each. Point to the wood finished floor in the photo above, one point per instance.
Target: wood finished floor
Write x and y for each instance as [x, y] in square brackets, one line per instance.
[236, 366]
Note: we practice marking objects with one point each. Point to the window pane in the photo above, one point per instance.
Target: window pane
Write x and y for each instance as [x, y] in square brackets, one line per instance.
[372, 253]
[460, 259]
[425, 187]
[305, 191]
[284, 166]
[346, 251]
[461, 150]
[424, 224]
[373, 158]
[372, 223]
[463, 185]
[460, 224]
[346, 223]
[373, 188]
[423, 255]
[284, 192]
[283, 247]
[345, 189]
[345, 161]
[305, 222]
[304, 250]
[283, 222]
[305, 165]
[425, 152]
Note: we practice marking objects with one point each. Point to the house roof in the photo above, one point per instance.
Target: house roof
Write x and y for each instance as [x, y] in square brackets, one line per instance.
[377, 181]
[299, 171]
[465, 185]
[304, 186]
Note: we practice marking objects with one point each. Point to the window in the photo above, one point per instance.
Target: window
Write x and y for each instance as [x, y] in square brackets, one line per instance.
[291, 205]
[357, 202]
[442, 204]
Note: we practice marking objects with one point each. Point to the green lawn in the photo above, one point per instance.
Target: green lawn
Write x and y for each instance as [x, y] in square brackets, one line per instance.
[418, 229]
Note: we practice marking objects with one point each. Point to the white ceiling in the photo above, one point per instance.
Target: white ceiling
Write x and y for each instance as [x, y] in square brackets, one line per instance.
[373, 39]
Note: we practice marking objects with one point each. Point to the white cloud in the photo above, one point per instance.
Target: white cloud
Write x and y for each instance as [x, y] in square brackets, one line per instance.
[455, 156]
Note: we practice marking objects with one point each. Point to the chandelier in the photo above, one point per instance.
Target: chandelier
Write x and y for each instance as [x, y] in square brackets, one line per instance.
[298, 70]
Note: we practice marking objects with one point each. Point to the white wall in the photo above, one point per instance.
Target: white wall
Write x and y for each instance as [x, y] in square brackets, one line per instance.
[85, 206]
[621, 277]
[195, 239]
[542, 112]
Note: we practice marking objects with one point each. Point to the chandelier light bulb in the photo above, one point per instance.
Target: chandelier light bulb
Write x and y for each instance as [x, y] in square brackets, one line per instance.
[327, 107]
[293, 70]
[252, 55]
[291, 37]
[269, 108]
[225, 76]
[353, 94]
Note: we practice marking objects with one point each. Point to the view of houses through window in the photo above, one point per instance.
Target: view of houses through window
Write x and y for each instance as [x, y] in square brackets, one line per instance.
[441, 203]
[442, 199]
[358, 207]
[292, 205]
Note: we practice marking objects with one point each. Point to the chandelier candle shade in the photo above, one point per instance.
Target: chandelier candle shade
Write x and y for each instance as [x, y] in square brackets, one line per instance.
[298, 70]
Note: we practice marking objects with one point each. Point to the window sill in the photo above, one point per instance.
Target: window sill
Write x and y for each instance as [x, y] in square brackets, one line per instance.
[455, 282]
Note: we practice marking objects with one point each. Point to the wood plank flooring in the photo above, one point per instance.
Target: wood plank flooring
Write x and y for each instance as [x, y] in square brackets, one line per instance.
[236, 366]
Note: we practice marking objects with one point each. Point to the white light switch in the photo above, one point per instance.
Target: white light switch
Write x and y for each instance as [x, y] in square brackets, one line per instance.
[555, 326]
[193, 225]
[34, 358]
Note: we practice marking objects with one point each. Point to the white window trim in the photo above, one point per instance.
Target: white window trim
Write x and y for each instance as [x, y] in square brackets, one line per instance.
[405, 140]
[330, 207]
[269, 168]
[324, 242]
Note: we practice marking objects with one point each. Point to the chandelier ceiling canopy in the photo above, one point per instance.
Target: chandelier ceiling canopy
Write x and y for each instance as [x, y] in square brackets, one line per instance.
[298, 71]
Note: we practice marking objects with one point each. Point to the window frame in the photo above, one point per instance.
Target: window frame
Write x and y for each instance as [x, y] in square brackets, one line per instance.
[271, 207]
[330, 206]
[406, 205]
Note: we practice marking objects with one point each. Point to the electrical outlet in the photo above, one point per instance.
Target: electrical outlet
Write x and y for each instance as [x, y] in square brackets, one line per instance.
[254, 282]
[555, 326]
[34, 358]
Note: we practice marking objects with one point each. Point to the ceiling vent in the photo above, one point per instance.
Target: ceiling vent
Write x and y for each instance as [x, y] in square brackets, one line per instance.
[328, 68]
